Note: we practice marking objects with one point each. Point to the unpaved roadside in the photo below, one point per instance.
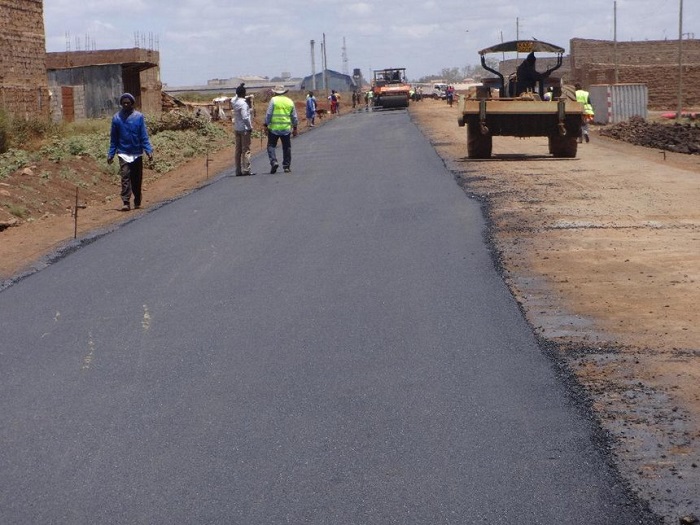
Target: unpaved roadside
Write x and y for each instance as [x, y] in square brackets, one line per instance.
[603, 254]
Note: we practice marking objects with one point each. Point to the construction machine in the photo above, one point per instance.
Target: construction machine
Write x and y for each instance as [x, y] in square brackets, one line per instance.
[515, 107]
[390, 88]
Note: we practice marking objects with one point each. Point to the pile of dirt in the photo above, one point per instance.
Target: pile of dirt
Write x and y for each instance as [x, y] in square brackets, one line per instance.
[677, 137]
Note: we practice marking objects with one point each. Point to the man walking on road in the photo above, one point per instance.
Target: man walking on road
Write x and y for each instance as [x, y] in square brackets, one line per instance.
[281, 123]
[242, 127]
[128, 140]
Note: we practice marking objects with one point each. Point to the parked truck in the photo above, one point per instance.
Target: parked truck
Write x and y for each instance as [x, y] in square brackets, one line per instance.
[497, 109]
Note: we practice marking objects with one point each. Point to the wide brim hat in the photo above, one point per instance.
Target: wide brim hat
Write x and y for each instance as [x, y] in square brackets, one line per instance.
[279, 90]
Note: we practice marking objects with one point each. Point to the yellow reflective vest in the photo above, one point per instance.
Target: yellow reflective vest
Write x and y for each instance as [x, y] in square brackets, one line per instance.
[281, 119]
[584, 98]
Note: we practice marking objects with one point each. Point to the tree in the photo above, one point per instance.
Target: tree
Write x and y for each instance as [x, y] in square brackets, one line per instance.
[478, 72]
[453, 75]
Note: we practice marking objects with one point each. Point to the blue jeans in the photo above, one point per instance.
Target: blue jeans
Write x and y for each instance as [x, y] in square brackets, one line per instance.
[286, 149]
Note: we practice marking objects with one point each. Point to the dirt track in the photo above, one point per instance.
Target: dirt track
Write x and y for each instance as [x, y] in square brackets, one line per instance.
[603, 254]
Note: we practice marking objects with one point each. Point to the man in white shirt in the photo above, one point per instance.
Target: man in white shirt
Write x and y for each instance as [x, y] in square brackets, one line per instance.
[242, 127]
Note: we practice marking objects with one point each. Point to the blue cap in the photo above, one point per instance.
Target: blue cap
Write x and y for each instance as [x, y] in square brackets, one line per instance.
[129, 96]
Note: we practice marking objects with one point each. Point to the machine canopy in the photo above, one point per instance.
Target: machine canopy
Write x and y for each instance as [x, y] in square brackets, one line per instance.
[523, 46]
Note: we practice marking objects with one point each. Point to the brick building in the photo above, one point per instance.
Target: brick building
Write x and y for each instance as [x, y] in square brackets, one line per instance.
[87, 84]
[24, 90]
[70, 85]
[654, 63]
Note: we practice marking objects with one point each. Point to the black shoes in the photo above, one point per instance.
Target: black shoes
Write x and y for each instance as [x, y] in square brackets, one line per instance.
[273, 168]
[287, 170]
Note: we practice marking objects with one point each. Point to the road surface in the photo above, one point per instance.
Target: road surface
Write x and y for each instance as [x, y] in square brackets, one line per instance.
[332, 345]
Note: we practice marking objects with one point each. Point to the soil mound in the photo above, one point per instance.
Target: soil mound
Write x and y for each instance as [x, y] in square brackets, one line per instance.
[678, 137]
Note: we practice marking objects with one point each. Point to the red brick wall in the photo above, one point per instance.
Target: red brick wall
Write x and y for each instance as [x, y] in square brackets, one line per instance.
[654, 63]
[24, 90]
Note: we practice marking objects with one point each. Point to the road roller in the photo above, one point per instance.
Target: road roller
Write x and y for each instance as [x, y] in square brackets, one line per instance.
[516, 106]
[390, 89]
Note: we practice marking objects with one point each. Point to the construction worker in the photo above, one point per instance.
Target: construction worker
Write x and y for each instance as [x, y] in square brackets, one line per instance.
[584, 98]
[128, 139]
[527, 76]
[281, 123]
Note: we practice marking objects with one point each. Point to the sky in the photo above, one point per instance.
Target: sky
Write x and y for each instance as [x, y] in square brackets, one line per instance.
[200, 40]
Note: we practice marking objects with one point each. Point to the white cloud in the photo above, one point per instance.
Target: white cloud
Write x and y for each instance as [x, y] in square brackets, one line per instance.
[202, 39]
[360, 9]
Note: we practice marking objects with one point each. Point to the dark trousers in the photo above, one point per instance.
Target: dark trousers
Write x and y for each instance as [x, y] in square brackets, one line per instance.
[132, 175]
[286, 149]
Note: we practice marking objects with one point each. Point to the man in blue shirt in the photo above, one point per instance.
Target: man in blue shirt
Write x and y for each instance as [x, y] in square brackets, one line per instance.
[128, 140]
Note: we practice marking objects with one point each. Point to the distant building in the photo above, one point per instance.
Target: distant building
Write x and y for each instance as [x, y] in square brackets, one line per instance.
[335, 80]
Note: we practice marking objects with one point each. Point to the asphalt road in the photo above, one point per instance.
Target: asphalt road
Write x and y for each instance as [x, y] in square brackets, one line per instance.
[328, 346]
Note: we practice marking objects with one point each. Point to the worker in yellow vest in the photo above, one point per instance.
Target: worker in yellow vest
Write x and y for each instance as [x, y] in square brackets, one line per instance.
[281, 123]
[584, 98]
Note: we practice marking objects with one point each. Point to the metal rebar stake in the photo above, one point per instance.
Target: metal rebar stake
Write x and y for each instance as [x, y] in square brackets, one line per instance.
[75, 213]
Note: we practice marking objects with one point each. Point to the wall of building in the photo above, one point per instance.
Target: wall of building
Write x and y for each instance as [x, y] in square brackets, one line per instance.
[654, 63]
[24, 89]
[335, 80]
[105, 74]
[100, 85]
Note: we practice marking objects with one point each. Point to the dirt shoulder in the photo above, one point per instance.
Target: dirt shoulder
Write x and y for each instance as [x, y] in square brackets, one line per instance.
[23, 246]
[603, 254]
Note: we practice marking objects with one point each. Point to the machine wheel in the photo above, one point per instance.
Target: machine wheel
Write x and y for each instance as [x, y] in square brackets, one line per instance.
[563, 147]
[478, 146]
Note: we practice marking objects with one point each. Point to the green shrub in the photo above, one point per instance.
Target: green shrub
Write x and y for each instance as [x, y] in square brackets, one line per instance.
[23, 131]
[11, 161]
[176, 138]
[18, 211]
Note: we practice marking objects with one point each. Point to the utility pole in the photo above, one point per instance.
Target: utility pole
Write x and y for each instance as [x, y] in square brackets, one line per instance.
[325, 65]
[680, 62]
[345, 59]
[617, 66]
[313, 67]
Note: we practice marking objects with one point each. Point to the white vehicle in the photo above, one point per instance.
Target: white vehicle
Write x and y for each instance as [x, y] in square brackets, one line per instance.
[439, 90]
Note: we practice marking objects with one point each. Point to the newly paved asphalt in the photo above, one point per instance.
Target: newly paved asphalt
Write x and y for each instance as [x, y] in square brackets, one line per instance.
[328, 346]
